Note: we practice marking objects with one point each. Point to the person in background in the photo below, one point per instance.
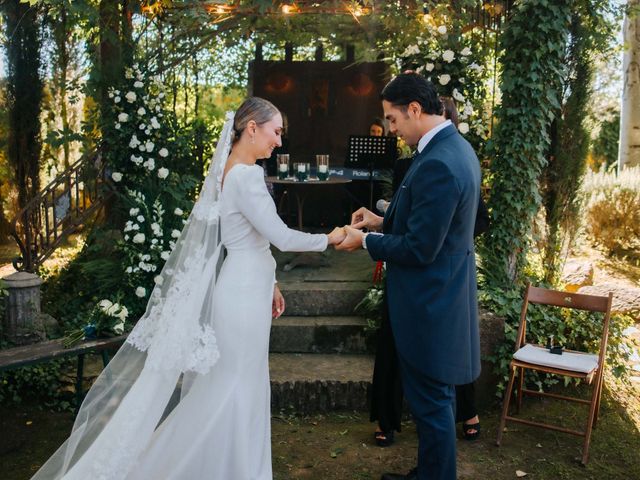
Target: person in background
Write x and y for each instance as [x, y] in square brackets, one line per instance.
[377, 128]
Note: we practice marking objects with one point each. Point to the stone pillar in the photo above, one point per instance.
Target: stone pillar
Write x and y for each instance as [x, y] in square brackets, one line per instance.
[23, 323]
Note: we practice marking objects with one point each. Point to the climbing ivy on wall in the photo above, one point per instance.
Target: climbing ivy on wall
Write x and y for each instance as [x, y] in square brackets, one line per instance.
[533, 46]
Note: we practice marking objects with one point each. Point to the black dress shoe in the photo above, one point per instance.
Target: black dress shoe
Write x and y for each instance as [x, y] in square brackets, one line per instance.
[412, 475]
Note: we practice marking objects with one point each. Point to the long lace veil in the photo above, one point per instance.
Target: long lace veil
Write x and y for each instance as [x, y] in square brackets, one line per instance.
[173, 342]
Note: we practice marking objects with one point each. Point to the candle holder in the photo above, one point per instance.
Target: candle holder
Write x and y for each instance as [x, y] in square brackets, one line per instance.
[283, 166]
[301, 170]
[322, 167]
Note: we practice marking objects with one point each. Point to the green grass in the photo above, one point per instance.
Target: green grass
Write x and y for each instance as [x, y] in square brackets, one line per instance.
[340, 445]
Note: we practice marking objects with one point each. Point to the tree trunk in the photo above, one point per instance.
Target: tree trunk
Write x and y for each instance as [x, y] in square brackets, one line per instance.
[629, 150]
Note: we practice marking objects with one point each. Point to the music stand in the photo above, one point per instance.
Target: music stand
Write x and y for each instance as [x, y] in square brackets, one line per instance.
[369, 152]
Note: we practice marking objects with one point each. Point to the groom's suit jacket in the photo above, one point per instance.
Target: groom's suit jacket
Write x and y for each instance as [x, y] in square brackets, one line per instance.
[431, 269]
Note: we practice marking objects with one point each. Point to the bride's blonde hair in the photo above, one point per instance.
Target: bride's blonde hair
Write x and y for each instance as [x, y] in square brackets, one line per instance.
[253, 108]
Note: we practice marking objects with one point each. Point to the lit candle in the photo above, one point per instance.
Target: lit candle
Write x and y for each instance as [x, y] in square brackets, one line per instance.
[284, 167]
[301, 168]
[322, 168]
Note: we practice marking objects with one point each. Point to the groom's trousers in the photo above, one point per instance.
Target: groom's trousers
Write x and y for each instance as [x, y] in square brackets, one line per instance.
[432, 404]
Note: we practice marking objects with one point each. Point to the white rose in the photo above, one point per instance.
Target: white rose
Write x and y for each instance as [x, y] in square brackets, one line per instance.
[175, 233]
[442, 30]
[123, 117]
[140, 218]
[141, 111]
[138, 84]
[149, 146]
[110, 94]
[448, 56]
[154, 123]
[457, 95]
[134, 211]
[134, 142]
[116, 176]
[105, 304]
[163, 173]
[131, 97]
[118, 126]
[150, 164]
[129, 270]
[444, 78]
[141, 292]
[138, 238]
[158, 280]
[163, 152]
[165, 255]
[429, 66]
[142, 126]
[126, 237]
[118, 328]
[463, 128]
[123, 314]
[178, 211]
[116, 100]
[465, 51]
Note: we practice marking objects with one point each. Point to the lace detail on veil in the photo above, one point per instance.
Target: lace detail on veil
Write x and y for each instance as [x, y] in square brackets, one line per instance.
[172, 331]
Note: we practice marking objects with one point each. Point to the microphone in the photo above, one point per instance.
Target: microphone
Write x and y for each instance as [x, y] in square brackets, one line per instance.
[382, 205]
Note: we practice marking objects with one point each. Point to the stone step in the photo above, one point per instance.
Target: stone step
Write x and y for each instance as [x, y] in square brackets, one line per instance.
[313, 298]
[316, 383]
[320, 335]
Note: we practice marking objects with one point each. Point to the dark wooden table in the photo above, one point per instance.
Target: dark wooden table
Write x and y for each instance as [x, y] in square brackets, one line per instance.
[300, 190]
[26, 355]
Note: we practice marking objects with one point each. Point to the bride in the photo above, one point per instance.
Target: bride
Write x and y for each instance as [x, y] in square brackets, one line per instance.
[187, 396]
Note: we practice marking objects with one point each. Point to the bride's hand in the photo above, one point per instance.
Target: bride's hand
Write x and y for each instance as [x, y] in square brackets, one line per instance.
[277, 306]
[337, 235]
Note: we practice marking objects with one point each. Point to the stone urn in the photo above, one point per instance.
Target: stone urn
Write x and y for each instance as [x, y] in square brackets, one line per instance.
[23, 323]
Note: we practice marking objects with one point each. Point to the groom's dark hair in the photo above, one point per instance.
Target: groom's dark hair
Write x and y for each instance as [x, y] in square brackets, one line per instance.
[412, 87]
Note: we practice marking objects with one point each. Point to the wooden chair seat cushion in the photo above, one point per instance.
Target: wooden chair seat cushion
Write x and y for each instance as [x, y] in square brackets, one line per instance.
[573, 361]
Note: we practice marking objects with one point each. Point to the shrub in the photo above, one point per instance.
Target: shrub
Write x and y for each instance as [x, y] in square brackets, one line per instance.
[611, 210]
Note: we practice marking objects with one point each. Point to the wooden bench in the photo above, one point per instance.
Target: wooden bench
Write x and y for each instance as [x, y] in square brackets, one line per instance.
[24, 356]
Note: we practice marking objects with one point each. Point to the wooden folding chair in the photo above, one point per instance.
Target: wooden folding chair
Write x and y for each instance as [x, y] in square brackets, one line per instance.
[586, 366]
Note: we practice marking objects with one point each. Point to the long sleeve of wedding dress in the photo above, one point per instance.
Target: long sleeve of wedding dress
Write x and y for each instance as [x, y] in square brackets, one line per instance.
[253, 201]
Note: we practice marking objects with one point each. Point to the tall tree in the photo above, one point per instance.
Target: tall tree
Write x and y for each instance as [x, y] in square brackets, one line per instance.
[629, 153]
[563, 173]
[24, 96]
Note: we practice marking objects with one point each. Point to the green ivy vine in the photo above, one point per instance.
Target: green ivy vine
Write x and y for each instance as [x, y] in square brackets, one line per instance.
[533, 43]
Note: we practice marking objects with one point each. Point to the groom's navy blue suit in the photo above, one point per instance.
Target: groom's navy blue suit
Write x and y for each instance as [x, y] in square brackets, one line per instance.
[431, 288]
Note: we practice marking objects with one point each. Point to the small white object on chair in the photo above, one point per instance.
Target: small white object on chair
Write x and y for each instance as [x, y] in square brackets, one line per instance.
[575, 361]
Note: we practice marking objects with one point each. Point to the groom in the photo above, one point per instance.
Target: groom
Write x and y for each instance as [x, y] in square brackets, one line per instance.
[427, 244]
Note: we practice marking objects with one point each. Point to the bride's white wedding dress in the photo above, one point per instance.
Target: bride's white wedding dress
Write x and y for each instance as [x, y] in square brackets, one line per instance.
[220, 429]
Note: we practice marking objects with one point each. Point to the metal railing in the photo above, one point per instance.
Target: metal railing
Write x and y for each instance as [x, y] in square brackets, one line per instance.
[59, 210]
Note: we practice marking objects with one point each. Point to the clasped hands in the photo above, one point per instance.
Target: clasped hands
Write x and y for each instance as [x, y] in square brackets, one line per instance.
[349, 237]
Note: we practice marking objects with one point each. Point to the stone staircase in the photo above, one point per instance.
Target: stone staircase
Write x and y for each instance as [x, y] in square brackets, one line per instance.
[320, 350]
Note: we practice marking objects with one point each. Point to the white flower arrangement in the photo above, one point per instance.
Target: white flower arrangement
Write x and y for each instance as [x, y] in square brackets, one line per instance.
[463, 128]
[164, 153]
[123, 117]
[444, 79]
[116, 176]
[141, 292]
[163, 173]
[131, 97]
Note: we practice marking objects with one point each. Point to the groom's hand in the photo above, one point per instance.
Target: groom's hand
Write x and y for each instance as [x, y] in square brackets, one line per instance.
[353, 240]
[364, 218]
